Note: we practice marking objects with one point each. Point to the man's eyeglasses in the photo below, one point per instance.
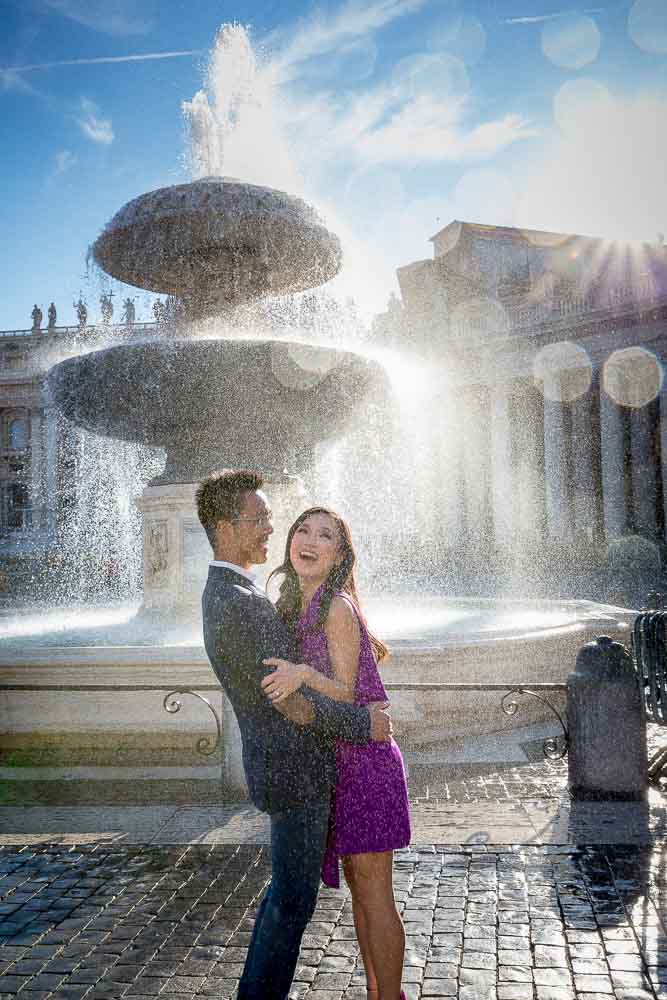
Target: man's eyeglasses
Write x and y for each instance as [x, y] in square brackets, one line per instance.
[264, 520]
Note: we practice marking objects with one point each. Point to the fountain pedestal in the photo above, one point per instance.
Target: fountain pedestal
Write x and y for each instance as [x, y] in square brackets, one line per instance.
[176, 551]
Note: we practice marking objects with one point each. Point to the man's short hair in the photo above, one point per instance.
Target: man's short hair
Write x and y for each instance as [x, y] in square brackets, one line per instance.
[220, 495]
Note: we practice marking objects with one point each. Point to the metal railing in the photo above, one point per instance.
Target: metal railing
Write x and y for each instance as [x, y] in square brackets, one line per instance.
[649, 651]
[553, 747]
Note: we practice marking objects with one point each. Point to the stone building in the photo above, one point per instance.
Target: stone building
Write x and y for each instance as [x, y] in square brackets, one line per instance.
[27, 444]
[551, 351]
[37, 454]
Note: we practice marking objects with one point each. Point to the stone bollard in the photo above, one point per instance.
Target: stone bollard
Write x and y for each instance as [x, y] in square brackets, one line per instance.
[607, 729]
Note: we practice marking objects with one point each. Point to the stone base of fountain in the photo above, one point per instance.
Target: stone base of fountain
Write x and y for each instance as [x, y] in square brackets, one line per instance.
[74, 698]
[176, 551]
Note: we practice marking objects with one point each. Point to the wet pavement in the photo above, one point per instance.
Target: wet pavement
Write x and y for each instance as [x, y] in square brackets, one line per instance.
[509, 892]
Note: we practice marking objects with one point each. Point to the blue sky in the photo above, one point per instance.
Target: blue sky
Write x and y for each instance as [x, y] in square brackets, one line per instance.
[394, 116]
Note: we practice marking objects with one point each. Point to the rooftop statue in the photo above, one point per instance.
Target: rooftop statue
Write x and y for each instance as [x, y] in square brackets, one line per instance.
[129, 312]
[81, 313]
[106, 307]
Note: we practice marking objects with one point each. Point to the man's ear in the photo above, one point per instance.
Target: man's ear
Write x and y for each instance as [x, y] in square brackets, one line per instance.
[222, 532]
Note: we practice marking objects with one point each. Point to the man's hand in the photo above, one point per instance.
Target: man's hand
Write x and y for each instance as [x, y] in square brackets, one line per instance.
[381, 728]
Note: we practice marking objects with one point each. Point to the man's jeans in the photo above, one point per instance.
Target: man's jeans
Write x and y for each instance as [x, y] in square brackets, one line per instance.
[298, 840]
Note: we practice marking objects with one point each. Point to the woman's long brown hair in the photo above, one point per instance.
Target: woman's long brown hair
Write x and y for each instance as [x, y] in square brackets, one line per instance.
[340, 579]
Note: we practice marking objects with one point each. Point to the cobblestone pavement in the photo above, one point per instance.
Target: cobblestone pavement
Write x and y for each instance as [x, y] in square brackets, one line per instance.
[510, 892]
[512, 923]
[538, 780]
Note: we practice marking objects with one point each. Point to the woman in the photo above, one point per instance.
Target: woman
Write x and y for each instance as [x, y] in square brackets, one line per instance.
[370, 815]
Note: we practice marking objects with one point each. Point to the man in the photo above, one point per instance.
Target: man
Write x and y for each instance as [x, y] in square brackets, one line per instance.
[288, 754]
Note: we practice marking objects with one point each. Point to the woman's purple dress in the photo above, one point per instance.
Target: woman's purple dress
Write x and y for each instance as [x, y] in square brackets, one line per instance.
[370, 810]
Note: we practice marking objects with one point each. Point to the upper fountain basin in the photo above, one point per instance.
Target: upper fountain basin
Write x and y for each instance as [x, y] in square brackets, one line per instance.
[214, 403]
[218, 242]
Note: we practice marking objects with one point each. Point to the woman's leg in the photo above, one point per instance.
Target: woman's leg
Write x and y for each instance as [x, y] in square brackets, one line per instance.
[370, 881]
[361, 929]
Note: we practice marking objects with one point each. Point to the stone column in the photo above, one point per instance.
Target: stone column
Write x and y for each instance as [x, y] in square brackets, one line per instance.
[475, 464]
[501, 466]
[37, 458]
[585, 487]
[449, 470]
[51, 472]
[644, 491]
[529, 488]
[559, 512]
[612, 451]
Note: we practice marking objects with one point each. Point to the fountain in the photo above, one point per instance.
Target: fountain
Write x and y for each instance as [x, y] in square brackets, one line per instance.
[215, 244]
[93, 679]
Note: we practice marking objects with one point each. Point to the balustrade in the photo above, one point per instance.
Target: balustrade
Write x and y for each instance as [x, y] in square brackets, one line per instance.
[577, 304]
[41, 333]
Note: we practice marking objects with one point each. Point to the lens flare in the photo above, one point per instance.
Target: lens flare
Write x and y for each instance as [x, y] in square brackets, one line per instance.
[461, 35]
[438, 76]
[647, 25]
[632, 377]
[576, 102]
[563, 372]
[572, 41]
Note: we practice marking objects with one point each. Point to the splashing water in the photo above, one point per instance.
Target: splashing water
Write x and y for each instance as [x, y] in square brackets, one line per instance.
[230, 82]
[237, 121]
[100, 527]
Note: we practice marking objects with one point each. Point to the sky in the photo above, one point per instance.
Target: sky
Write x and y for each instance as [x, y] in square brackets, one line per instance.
[393, 116]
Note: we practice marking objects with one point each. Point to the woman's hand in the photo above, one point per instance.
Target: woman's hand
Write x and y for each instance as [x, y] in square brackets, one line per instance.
[285, 679]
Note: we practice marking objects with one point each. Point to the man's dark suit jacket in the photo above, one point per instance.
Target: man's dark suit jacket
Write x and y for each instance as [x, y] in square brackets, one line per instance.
[285, 764]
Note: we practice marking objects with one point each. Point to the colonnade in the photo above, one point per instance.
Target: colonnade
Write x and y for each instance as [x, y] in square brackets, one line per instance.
[34, 467]
[532, 467]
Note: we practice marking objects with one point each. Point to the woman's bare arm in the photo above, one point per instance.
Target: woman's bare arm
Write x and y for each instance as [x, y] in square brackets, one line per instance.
[343, 639]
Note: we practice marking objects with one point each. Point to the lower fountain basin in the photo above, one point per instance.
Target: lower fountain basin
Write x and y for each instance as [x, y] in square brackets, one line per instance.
[79, 664]
[417, 622]
[261, 404]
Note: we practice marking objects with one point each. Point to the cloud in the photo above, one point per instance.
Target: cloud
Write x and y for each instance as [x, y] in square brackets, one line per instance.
[110, 17]
[93, 126]
[326, 32]
[64, 161]
[425, 130]
[541, 18]
[391, 125]
[11, 80]
[98, 60]
[421, 113]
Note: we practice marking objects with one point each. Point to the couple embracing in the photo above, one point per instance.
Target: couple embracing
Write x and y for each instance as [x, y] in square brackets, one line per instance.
[318, 756]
